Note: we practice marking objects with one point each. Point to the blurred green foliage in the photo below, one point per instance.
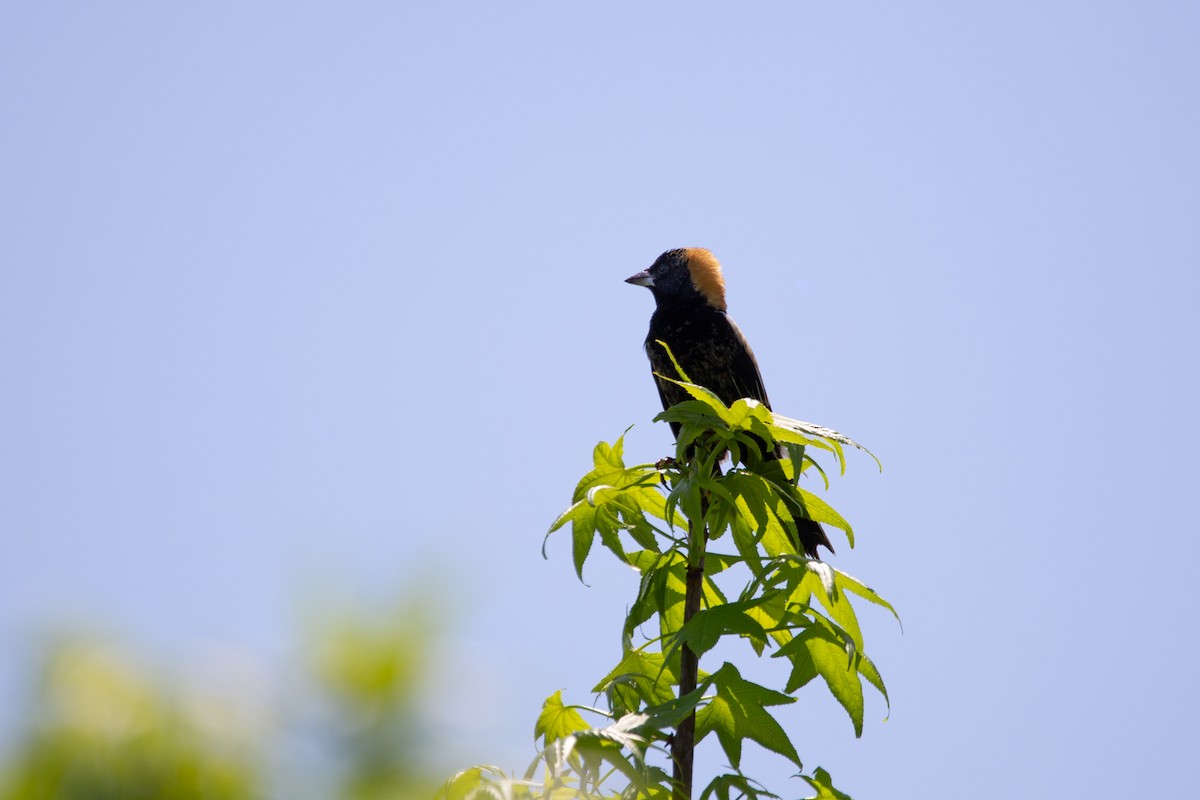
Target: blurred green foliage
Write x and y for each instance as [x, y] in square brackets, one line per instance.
[371, 669]
[101, 726]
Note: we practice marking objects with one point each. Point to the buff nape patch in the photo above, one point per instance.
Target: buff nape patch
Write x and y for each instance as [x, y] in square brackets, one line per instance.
[706, 275]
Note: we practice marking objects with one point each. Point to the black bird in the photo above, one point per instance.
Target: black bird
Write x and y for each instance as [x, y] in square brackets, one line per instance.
[689, 295]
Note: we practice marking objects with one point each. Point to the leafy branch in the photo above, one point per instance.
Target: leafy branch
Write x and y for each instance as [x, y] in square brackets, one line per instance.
[661, 520]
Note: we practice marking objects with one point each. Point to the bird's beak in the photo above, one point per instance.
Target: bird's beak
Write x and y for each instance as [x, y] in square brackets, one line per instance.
[641, 279]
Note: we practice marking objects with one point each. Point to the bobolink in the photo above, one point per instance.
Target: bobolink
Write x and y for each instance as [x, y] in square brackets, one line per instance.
[689, 295]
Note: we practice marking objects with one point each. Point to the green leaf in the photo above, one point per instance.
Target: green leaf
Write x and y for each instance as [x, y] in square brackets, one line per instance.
[746, 542]
[707, 626]
[738, 712]
[476, 783]
[821, 781]
[664, 716]
[821, 511]
[801, 461]
[866, 668]
[584, 524]
[854, 585]
[669, 588]
[703, 395]
[769, 612]
[648, 499]
[608, 468]
[812, 507]
[557, 721]
[837, 604]
[674, 362]
[599, 750]
[609, 500]
[646, 678]
[663, 589]
[623, 732]
[693, 412]
[746, 412]
[651, 590]
[685, 498]
[820, 649]
[722, 787]
[764, 511]
[582, 536]
[819, 432]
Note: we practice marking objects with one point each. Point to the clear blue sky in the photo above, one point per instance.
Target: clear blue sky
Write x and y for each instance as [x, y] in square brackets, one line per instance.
[276, 284]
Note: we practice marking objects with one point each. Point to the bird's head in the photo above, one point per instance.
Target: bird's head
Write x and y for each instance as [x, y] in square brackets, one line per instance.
[682, 274]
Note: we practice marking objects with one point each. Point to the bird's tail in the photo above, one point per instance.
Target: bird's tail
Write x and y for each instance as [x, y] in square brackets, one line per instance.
[812, 535]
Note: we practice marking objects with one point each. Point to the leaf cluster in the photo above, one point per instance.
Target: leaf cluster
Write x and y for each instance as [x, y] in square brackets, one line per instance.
[663, 520]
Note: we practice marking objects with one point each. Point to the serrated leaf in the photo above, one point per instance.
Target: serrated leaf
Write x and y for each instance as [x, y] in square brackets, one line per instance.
[583, 533]
[624, 732]
[684, 499]
[691, 412]
[608, 501]
[866, 668]
[648, 499]
[669, 714]
[557, 720]
[461, 785]
[719, 409]
[650, 590]
[821, 432]
[825, 573]
[746, 411]
[769, 612]
[836, 603]
[670, 591]
[597, 753]
[608, 467]
[664, 588]
[764, 512]
[818, 649]
[722, 786]
[855, 586]
[801, 461]
[707, 626]
[821, 781]
[746, 542]
[649, 676]
[738, 712]
[813, 507]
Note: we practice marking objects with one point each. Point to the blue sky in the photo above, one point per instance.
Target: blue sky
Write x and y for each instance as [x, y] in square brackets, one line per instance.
[301, 295]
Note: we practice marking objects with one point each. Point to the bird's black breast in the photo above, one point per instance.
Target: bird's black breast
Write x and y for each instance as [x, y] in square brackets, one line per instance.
[710, 349]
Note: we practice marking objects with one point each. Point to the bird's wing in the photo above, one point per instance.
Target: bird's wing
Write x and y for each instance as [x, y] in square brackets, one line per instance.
[743, 368]
[660, 364]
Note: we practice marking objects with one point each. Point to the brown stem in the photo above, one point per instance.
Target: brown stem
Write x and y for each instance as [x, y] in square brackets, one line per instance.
[683, 744]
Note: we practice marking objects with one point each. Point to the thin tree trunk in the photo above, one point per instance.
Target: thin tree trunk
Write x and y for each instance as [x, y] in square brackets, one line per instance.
[683, 745]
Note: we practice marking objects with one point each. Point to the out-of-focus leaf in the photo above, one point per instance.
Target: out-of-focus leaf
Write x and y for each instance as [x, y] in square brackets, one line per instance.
[821, 781]
[622, 732]
[723, 787]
